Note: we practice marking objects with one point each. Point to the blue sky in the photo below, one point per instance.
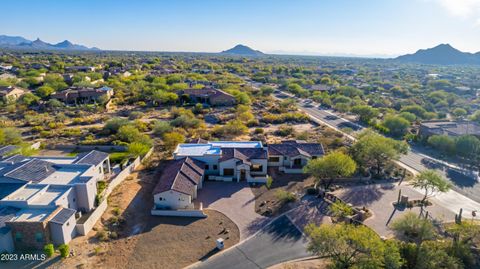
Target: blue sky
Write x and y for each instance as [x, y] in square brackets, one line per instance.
[323, 27]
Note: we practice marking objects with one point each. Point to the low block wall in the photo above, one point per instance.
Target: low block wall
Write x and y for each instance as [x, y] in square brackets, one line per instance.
[87, 147]
[84, 228]
[179, 213]
[220, 178]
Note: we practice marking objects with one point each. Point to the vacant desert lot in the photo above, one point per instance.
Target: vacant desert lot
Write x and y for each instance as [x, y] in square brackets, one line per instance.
[146, 241]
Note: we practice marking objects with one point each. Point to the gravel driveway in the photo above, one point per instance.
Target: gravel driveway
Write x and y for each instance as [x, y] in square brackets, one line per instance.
[236, 201]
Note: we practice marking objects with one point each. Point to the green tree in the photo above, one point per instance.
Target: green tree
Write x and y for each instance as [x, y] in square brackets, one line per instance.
[442, 143]
[459, 112]
[468, 146]
[372, 149]
[431, 182]
[136, 149]
[330, 167]
[414, 228]
[349, 246]
[112, 125]
[397, 126]
[29, 99]
[45, 91]
[365, 112]
[476, 116]
[172, 139]
[10, 136]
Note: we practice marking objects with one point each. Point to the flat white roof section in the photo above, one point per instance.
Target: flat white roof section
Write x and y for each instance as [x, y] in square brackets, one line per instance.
[236, 144]
[32, 215]
[64, 176]
[24, 194]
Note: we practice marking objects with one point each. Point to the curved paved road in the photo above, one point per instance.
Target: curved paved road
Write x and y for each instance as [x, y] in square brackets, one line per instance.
[277, 242]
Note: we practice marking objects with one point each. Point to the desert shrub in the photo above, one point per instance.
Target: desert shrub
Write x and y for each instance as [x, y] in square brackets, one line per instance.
[285, 196]
[161, 127]
[285, 131]
[48, 249]
[135, 115]
[269, 182]
[64, 250]
[293, 117]
[259, 131]
[102, 235]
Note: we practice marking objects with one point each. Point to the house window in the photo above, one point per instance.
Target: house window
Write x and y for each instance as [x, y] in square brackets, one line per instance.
[274, 159]
[256, 168]
[297, 162]
[228, 172]
[314, 157]
[215, 167]
[206, 167]
[18, 237]
[160, 199]
[68, 223]
[39, 237]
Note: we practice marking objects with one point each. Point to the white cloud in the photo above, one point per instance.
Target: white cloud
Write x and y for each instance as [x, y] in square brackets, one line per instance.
[462, 8]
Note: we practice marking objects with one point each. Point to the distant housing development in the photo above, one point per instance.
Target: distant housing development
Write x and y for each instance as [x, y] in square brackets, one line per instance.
[226, 161]
[41, 198]
[450, 128]
[83, 95]
[210, 96]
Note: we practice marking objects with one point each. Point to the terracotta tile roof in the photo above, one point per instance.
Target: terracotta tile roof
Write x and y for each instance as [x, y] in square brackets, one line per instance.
[181, 175]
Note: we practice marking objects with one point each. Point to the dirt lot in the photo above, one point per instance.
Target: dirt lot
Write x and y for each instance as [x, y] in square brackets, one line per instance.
[135, 239]
[266, 198]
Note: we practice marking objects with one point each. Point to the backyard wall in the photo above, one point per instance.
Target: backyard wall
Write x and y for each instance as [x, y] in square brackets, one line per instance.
[87, 147]
[85, 227]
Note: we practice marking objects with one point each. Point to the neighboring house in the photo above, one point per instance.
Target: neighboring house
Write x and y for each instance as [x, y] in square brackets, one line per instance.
[226, 161]
[83, 95]
[42, 197]
[80, 68]
[292, 156]
[210, 96]
[11, 93]
[179, 184]
[450, 128]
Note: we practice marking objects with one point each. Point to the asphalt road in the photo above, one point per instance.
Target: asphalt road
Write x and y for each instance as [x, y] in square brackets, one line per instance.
[277, 242]
[463, 183]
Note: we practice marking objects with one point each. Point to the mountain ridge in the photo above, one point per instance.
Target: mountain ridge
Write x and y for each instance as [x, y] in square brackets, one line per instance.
[18, 42]
[443, 54]
[243, 50]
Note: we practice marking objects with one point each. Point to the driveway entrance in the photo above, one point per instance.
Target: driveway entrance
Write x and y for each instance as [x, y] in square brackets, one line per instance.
[236, 201]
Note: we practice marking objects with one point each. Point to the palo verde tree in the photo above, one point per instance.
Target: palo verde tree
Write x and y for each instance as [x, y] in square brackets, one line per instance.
[349, 246]
[331, 167]
[431, 182]
[374, 150]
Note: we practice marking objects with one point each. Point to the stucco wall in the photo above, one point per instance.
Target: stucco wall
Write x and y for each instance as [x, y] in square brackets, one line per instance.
[63, 234]
[172, 200]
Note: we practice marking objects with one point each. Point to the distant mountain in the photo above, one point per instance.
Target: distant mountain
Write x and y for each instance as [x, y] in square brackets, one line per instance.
[243, 50]
[443, 54]
[17, 42]
[12, 40]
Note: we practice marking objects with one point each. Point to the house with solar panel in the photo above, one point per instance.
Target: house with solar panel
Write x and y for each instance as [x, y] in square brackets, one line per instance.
[41, 198]
[235, 161]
